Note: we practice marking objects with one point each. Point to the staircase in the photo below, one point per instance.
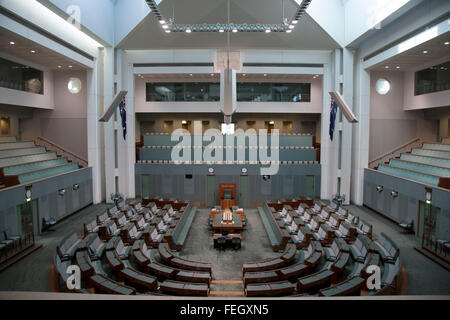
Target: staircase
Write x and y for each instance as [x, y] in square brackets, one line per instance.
[428, 164]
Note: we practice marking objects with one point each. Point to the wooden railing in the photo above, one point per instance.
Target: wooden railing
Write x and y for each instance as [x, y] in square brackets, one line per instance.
[51, 146]
[407, 147]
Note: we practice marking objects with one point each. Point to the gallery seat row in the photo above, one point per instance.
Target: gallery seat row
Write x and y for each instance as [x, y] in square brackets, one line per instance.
[126, 262]
[334, 249]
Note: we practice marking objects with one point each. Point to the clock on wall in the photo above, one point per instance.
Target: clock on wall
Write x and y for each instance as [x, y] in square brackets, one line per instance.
[211, 170]
[244, 170]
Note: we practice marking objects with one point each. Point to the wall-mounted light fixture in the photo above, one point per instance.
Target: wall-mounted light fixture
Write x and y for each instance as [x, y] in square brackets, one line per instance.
[394, 194]
[28, 194]
[61, 192]
[76, 186]
[428, 195]
[379, 188]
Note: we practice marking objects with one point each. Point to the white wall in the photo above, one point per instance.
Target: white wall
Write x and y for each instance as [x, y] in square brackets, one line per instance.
[66, 125]
[325, 13]
[424, 101]
[391, 125]
[38, 14]
[97, 16]
[315, 106]
[362, 16]
[130, 14]
[28, 99]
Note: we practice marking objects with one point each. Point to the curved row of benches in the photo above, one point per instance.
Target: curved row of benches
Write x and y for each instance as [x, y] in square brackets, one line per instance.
[342, 252]
[118, 264]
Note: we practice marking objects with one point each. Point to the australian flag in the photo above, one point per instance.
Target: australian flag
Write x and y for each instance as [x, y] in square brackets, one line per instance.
[123, 115]
[333, 112]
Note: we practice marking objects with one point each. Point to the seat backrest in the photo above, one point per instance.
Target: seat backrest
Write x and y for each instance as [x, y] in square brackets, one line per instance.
[343, 212]
[343, 229]
[120, 246]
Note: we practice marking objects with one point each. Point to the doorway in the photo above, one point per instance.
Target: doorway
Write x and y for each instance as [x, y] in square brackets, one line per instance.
[429, 222]
[310, 186]
[5, 126]
[211, 190]
[145, 185]
[28, 218]
[243, 191]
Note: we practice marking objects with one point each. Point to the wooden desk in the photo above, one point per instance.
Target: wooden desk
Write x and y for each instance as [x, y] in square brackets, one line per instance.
[228, 239]
[231, 227]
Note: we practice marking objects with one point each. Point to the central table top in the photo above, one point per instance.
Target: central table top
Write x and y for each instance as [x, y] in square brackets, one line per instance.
[236, 223]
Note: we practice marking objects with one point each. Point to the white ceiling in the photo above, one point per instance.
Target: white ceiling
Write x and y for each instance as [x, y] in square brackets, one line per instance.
[149, 34]
[411, 59]
[42, 56]
[215, 77]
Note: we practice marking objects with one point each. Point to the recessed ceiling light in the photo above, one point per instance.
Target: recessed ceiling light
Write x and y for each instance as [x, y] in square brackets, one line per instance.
[59, 67]
[167, 31]
[387, 67]
[291, 26]
[397, 67]
[191, 74]
[188, 30]
[162, 21]
[212, 74]
[446, 43]
[33, 51]
[221, 30]
[70, 66]
[265, 74]
[268, 30]
[294, 21]
[425, 51]
[244, 74]
[235, 30]
[12, 43]
[165, 26]
[288, 31]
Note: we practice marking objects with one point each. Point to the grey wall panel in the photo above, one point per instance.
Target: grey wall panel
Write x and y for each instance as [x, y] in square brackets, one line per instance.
[259, 190]
[284, 140]
[405, 206]
[49, 202]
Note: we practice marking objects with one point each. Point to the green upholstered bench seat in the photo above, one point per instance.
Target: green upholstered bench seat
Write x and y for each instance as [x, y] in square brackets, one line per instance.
[33, 166]
[432, 153]
[17, 145]
[408, 174]
[420, 167]
[45, 173]
[21, 152]
[17, 160]
[436, 146]
[440, 162]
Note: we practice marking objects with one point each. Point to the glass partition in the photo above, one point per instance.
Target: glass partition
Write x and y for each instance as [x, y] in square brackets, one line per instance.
[17, 76]
[433, 79]
[191, 91]
[274, 92]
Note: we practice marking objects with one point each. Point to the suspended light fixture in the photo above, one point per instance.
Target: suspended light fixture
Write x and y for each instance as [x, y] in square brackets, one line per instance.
[219, 27]
[228, 92]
